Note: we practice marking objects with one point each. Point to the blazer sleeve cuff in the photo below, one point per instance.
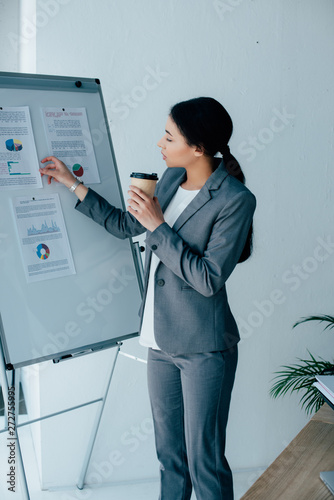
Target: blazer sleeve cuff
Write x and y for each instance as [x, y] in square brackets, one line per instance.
[161, 239]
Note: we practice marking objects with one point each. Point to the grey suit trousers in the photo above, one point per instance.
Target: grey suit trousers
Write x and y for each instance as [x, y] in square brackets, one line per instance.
[190, 397]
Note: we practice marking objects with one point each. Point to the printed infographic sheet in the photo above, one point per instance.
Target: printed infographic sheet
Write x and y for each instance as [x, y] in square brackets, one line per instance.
[69, 139]
[44, 244]
[18, 158]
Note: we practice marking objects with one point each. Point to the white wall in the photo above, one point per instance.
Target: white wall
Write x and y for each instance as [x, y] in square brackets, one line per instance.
[9, 31]
[270, 64]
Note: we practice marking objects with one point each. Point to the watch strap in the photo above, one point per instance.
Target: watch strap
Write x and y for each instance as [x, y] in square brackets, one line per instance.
[75, 185]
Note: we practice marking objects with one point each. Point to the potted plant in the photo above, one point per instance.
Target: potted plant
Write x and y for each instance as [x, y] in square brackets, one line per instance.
[301, 376]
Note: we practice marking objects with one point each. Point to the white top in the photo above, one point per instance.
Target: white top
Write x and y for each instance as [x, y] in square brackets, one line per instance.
[178, 203]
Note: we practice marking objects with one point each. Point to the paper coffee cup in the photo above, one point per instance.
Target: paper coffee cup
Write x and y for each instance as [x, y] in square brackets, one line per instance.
[145, 182]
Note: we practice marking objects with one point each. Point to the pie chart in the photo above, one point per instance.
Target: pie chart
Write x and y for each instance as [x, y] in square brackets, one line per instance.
[78, 170]
[13, 145]
[42, 251]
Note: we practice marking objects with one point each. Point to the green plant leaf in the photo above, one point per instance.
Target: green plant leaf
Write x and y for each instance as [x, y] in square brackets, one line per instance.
[300, 377]
[322, 318]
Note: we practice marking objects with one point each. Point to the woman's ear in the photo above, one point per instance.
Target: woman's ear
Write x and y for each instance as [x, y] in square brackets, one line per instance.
[199, 151]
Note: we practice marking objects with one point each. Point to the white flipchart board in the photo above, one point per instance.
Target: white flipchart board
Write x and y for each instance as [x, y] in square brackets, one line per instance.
[98, 306]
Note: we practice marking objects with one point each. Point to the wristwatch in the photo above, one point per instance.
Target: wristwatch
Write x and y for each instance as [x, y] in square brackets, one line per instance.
[75, 185]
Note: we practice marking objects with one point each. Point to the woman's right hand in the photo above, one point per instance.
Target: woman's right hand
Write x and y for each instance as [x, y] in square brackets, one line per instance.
[57, 170]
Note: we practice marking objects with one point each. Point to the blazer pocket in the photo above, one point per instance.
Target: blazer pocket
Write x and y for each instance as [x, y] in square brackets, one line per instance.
[186, 288]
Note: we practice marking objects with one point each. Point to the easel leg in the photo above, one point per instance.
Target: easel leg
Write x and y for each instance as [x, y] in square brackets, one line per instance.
[4, 384]
[12, 429]
[83, 473]
[19, 460]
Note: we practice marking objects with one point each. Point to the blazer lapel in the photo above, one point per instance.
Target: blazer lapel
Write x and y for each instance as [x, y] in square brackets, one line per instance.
[166, 196]
[213, 183]
[200, 199]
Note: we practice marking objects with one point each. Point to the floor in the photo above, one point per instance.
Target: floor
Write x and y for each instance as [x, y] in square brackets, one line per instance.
[139, 491]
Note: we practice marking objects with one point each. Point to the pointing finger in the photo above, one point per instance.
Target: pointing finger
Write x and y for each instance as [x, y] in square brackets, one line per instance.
[48, 158]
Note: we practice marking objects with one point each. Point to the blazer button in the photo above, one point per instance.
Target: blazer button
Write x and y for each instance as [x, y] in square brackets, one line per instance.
[161, 282]
[154, 247]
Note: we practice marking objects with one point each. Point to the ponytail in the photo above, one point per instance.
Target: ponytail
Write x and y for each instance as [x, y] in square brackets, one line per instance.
[233, 167]
[231, 163]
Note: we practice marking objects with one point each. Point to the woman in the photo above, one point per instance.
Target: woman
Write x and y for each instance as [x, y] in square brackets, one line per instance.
[199, 226]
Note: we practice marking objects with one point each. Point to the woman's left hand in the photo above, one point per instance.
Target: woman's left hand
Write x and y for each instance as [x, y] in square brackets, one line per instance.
[146, 210]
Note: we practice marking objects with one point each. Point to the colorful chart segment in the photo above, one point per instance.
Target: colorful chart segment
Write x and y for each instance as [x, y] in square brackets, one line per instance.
[43, 251]
[13, 145]
[78, 170]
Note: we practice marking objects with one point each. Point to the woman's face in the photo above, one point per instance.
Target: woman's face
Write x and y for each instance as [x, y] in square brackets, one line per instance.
[174, 149]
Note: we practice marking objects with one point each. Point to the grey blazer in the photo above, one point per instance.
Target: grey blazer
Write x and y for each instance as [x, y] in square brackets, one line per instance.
[197, 254]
